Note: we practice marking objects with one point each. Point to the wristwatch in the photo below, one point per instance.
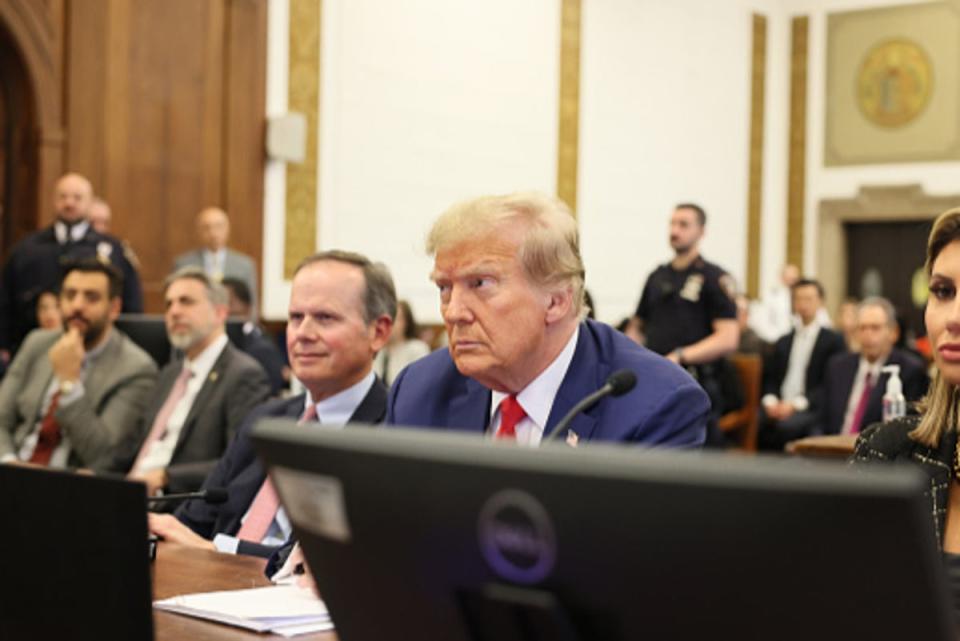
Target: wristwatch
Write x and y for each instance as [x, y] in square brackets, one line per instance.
[66, 387]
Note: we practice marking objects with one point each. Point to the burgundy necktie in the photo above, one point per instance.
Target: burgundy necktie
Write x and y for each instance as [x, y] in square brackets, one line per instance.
[49, 436]
[862, 405]
[511, 413]
[265, 505]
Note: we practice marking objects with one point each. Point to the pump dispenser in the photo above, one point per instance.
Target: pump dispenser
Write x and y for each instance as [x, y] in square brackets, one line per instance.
[894, 404]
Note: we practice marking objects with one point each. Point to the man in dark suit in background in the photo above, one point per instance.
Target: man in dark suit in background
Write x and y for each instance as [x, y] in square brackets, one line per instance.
[855, 384]
[256, 343]
[199, 401]
[510, 278]
[793, 376]
[341, 312]
[36, 263]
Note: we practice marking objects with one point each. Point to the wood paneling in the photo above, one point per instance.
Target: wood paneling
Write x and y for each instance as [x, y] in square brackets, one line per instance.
[163, 107]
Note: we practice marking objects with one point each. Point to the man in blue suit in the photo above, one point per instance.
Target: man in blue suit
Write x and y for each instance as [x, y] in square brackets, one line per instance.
[511, 285]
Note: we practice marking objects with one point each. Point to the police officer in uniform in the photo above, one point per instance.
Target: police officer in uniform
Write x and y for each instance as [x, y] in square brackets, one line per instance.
[688, 311]
[36, 263]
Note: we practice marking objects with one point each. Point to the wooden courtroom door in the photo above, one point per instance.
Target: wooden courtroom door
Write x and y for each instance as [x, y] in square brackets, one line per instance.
[884, 259]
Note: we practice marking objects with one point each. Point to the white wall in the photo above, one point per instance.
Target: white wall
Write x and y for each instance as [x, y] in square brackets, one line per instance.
[427, 102]
[665, 111]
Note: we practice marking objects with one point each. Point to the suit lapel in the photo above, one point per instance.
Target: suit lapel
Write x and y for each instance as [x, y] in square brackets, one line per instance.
[470, 409]
[373, 407]
[583, 377]
[207, 390]
[97, 378]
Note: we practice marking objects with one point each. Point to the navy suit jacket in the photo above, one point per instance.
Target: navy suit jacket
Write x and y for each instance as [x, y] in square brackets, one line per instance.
[241, 473]
[667, 406]
[841, 371]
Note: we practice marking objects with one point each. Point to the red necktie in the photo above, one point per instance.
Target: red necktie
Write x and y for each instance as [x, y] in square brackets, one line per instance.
[862, 405]
[264, 508]
[511, 413]
[49, 436]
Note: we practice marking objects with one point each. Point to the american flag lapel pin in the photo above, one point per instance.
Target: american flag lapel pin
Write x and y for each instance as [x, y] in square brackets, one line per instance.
[214, 376]
[572, 438]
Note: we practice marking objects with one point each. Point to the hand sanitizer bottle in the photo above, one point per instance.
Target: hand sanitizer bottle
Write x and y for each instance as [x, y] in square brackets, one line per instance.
[894, 404]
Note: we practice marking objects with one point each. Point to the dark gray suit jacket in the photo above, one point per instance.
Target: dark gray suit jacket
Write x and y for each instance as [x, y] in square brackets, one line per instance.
[235, 385]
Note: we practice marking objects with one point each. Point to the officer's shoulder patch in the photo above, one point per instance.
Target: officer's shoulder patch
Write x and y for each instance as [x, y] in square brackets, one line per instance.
[728, 285]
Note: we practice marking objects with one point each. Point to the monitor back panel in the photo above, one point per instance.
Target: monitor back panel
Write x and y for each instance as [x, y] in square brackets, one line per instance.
[75, 559]
[405, 533]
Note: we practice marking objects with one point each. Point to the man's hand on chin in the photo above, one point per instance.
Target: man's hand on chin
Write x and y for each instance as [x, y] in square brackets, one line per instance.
[169, 528]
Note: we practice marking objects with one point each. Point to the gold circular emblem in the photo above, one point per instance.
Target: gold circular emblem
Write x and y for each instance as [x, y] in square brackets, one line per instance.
[894, 83]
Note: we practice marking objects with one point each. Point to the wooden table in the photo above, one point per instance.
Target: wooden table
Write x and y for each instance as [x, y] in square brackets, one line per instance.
[180, 570]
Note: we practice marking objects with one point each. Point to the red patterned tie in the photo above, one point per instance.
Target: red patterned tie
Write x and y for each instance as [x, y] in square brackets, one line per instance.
[264, 508]
[49, 436]
[511, 413]
[862, 405]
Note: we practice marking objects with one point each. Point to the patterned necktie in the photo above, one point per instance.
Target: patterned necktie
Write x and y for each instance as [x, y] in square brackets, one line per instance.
[49, 436]
[862, 405]
[159, 428]
[511, 413]
[264, 508]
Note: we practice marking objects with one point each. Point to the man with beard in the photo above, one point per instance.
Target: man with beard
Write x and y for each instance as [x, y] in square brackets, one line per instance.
[70, 396]
[200, 400]
[36, 264]
[687, 310]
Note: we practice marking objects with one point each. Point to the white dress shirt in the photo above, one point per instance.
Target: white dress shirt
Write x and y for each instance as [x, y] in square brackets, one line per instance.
[794, 387]
[332, 412]
[857, 391]
[64, 233]
[161, 450]
[537, 397]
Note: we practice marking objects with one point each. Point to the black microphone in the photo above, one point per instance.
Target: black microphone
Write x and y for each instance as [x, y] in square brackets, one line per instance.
[212, 495]
[618, 384]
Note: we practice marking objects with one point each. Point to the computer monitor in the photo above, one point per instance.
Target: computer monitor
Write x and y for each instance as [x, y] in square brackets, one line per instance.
[421, 534]
[74, 561]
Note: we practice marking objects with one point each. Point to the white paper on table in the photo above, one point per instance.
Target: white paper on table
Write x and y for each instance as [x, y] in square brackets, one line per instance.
[265, 609]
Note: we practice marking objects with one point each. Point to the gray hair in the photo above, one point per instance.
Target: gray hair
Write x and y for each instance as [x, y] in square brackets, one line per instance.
[216, 293]
[379, 296]
[882, 303]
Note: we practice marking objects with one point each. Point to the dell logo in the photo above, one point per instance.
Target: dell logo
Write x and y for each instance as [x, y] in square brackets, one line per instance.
[517, 537]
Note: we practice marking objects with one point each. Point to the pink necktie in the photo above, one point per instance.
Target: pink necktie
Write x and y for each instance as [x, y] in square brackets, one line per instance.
[862, 405]
[511, 413]
[159, 428]
[264, 507]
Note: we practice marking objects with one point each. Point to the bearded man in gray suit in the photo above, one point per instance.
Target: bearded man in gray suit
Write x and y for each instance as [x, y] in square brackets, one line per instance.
[215, 258]
[199, 400]
[71, 395]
